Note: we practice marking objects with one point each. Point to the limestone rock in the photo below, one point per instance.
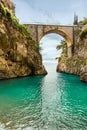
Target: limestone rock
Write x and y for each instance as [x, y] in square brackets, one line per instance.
[18, 56]
[77, 64]
[83, 77]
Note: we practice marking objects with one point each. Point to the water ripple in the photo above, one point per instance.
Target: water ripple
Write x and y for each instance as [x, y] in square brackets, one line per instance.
[53, 102]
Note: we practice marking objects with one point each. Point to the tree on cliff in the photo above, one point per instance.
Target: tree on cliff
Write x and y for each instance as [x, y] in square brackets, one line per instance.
[62, 46]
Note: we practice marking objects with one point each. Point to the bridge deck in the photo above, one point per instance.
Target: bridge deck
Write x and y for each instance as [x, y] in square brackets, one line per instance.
[40, 24]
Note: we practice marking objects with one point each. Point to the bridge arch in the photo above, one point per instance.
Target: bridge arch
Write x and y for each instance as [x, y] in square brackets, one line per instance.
[37, 31]
[62, 33]
[59, 32]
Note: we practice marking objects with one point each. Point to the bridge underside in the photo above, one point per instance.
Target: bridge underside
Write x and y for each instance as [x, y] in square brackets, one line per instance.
[38, 31]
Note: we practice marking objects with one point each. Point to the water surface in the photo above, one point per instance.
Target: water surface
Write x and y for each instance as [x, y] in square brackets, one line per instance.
[52, 102]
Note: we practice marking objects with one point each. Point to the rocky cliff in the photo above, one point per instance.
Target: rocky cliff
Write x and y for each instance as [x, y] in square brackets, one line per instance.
[19, 54]
[77, 64]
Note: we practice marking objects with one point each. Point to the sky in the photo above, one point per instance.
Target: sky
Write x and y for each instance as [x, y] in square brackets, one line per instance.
[50, 11]
[48, 44]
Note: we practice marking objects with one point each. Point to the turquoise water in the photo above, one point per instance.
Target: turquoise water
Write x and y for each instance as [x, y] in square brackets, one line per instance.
[52, 102]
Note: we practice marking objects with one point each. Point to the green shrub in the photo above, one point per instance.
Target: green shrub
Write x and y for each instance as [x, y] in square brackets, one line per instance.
[62, 45]
[36, 47]
[59, 46]
[2, 9]
[22, 28]
[83, 22]
[8, 14]
[83, 33]
[78, 31]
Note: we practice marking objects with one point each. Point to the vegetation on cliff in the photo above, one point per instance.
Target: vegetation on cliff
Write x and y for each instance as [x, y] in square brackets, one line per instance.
[83, 33]
[9, 15]
[63, 46]
[77, 64]
[19, 54]
[21, 27]
[83, 22]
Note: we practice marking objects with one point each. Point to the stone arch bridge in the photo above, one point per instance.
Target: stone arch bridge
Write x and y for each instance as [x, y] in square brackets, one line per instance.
[37, 31]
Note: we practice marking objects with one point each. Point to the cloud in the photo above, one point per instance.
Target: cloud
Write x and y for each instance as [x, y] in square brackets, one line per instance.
[27, 14]
[49, 12]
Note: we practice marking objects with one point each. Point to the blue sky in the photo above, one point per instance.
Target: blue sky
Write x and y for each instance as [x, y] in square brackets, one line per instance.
[50, 11]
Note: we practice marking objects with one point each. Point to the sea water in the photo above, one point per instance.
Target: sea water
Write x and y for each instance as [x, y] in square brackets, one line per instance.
[56, 101]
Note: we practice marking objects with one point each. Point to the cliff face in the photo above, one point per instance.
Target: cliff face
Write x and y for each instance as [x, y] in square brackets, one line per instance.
[19, 54]
[77, 64]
